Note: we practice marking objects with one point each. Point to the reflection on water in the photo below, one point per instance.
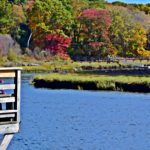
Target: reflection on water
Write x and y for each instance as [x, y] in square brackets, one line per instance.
[82, 120]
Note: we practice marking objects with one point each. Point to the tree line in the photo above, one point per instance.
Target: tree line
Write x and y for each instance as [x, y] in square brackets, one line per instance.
[78, 29]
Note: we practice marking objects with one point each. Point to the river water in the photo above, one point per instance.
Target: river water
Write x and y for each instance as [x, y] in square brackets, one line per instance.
[82, 120]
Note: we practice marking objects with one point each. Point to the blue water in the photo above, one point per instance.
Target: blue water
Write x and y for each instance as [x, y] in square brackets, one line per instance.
[82, 120]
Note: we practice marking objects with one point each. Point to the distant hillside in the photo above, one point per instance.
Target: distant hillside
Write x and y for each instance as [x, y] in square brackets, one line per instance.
[137, 15]
[141, 7]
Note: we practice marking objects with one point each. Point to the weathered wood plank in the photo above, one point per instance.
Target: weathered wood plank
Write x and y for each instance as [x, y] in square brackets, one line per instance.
[7, 116]
[7, 99]
[7, 86]
[7, 74]
[9, 128]
[5, 142]
[8, 122]
[7, 111]
[5, 95]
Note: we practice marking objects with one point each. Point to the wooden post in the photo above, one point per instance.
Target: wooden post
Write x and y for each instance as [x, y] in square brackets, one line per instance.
[5, 141]
[17, 93]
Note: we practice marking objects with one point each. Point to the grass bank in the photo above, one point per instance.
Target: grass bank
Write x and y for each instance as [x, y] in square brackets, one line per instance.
[72, 67]
[67, 66]
[54, 64]
[93, 82]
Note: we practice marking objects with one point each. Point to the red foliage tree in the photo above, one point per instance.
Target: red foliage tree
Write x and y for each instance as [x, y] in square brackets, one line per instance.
[57, 45]
[94, 31]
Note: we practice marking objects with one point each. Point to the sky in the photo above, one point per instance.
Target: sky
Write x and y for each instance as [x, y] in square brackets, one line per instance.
[132, 1]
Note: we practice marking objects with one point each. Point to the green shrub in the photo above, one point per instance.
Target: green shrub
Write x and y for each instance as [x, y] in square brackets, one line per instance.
[12, 56]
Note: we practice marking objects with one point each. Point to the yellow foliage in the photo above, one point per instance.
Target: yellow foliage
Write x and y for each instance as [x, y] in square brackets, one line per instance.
[144, 53]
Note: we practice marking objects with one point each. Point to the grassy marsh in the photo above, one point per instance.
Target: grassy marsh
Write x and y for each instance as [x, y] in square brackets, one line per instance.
[93, 82]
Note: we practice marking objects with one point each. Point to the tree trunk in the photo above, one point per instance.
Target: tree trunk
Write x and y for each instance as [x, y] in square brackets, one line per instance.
[29, 39]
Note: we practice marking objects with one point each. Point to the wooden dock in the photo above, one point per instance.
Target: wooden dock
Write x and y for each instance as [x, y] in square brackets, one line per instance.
[10, 83]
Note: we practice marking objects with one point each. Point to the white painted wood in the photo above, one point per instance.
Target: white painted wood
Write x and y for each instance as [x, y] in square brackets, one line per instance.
[7, 111]
[10, 68]
[7, 74]
[7, 99]
[7, 86]
[5, 95]
[9, 128]
[7, 116]
[5, 142]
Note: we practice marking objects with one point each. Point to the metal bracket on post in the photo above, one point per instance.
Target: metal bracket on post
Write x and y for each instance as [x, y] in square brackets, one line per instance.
[5, 141]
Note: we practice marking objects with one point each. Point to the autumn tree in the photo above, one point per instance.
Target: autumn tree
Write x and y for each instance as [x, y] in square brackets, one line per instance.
[137, 40]
[92, 39]
[126, 34]
[57, 45]
[48, 16]
[78, 6]
[119, 29]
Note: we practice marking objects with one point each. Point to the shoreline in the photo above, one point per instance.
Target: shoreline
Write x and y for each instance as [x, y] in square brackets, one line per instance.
[131, 71]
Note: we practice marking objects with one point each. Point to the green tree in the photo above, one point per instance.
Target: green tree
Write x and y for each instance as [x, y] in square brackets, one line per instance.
[6, 19]
[67, 4]
[97, 4]
[118, 3]
[18, 1]
[119, 30]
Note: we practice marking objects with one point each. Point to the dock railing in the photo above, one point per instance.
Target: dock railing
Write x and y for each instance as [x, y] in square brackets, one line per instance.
[10, 84]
